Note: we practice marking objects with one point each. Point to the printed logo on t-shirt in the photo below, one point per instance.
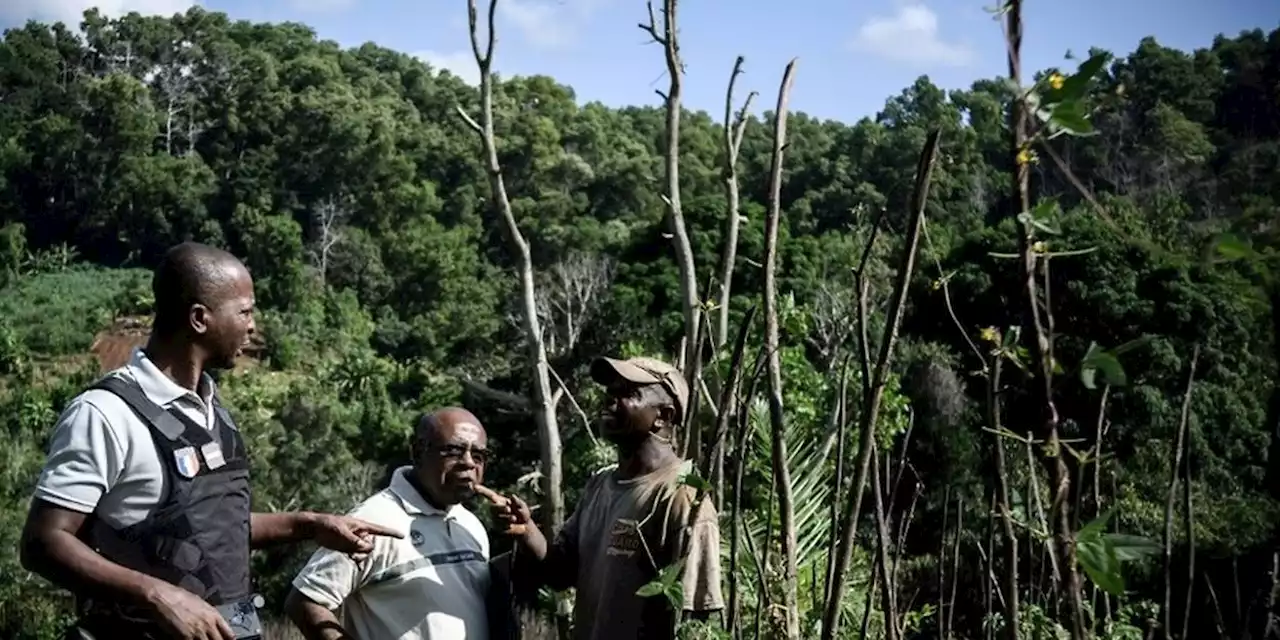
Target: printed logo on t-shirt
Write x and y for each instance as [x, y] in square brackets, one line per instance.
[624, 537]
[416, 538]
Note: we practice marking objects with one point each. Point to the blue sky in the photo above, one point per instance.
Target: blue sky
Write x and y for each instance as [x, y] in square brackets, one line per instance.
[853, 54]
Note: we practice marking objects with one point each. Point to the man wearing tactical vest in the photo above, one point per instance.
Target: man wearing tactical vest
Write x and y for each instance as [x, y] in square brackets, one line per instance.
[143, 507]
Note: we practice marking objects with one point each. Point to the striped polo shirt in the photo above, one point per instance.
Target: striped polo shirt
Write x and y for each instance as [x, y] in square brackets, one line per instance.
[429, 585]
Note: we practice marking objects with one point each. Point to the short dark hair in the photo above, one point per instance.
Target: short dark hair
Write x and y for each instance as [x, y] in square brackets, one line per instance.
[189, 273]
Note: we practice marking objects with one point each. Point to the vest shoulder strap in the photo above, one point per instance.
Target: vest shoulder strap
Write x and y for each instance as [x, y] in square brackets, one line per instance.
[155, 415]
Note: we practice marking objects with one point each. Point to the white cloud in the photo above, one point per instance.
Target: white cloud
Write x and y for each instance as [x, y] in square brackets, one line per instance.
[542, 24]
[71, 12]
[459, 63]
[911, 36]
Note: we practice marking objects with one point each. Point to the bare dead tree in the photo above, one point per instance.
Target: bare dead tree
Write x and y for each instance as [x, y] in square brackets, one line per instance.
[327, 219]
[782, 475]
[1100, 433]
[872, 399]
[1175, 468]
[544, 412]
[889, 587]
[1038, 322]
[995, 421]
[835, 303]
[733, 132]
[669, 40]
[568, 296]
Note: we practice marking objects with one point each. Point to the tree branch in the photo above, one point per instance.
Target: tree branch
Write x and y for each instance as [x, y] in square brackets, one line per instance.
[781, 472]
[871, 411]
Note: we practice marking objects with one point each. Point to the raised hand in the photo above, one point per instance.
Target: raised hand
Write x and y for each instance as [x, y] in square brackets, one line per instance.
[509, 509]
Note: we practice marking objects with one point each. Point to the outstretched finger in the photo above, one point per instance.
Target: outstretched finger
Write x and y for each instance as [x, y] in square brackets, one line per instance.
[363, 527]
[490, 495]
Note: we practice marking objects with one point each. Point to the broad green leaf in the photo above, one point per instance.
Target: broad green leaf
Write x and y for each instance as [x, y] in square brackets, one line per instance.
[1094, 528]
[1070, 117]
[1136, 343]
[1097, 359]
[649, 590]
[695, 480]
[1075, 86]
[1042, 217]
[1100, 563]
[671, 574]
[1128, 547]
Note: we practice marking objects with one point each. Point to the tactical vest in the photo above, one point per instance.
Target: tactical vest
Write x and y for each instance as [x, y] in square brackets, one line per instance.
[197, 536]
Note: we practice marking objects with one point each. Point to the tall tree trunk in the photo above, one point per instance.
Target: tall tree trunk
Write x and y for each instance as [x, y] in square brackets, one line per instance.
[544, 413]
[871, 409]
[994, 417]
[782, 474]
[734, 128]
[1042, 355]
[669, 40]
[888, 588]
[1175, 468]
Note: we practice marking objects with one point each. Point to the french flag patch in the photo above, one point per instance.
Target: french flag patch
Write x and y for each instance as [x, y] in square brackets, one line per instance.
[188, 462]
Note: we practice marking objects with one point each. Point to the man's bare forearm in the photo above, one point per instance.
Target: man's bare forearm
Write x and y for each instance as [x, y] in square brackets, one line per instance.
[65, 560]
[313, 619]
[534, 542]
[267, 529]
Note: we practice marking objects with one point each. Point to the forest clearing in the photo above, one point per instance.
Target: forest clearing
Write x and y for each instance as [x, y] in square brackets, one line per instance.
[997, 363]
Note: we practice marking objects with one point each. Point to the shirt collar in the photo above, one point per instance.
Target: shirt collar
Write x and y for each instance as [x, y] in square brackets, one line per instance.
[160, 388]
[412, 501]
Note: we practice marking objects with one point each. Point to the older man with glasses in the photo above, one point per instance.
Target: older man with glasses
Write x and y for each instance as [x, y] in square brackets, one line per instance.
[433, 583]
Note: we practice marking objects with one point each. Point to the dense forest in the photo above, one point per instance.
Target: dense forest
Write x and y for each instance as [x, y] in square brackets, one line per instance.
[996, 362]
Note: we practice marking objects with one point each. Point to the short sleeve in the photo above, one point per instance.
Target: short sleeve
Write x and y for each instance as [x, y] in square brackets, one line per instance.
[701, 578]
[85, 461]
[329, 577]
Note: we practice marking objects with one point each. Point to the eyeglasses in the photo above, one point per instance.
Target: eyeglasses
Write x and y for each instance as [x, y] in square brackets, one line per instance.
[479, 456]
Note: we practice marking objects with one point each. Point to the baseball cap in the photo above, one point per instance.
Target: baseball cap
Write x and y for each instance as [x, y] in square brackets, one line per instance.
[644, 371]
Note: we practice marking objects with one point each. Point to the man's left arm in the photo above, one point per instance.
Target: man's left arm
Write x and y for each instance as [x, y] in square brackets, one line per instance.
[702, 594]
[340, 533]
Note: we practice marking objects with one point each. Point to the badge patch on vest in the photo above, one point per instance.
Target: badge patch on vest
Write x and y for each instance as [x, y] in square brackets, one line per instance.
[213, 455]
[188, 462]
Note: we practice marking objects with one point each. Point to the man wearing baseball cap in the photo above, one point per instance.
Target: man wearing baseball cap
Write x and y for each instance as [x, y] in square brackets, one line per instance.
[633, 520]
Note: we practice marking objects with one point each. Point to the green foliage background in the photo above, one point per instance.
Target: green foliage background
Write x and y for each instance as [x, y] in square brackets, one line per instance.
[354, 193]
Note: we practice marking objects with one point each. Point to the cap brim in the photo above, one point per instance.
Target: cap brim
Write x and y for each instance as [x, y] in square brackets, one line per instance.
[606, 371]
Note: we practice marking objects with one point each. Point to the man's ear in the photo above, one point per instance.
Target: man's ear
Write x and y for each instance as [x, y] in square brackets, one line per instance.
[198, 318]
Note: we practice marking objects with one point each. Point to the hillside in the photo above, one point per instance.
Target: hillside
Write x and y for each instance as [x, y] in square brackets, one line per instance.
[387, 285]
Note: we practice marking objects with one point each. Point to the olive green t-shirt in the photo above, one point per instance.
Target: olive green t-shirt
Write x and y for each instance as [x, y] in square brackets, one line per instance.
[621, 535]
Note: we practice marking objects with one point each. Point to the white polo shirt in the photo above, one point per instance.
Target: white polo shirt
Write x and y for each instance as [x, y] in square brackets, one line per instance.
[101, 455]
[429, 585]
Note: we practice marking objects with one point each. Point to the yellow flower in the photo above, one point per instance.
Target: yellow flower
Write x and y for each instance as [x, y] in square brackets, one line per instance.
[1056, 81]
[1025, 157]
[990, 335]
[936, 284]
[1040, 247]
